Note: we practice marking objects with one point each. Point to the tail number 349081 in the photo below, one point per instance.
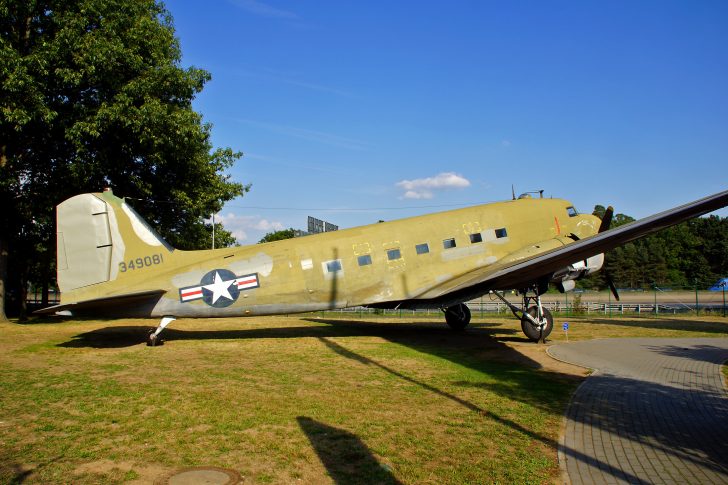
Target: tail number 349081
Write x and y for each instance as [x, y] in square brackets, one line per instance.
[140, 263]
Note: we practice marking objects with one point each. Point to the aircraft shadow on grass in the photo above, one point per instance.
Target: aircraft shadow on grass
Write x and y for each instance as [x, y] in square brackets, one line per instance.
[346, 458]
[21, 473]
[475, 348]
[680, 439]
[424, 332]
[349, 354]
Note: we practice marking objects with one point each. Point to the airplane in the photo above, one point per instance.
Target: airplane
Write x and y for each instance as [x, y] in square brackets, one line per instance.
[110, 262]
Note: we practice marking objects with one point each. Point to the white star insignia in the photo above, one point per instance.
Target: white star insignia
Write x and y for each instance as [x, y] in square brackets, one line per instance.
[219, 288]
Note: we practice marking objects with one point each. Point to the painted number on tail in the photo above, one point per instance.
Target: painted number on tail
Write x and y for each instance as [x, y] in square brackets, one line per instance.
[139, 263]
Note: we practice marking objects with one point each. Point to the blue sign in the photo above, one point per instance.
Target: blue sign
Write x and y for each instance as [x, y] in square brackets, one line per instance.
[566, 326]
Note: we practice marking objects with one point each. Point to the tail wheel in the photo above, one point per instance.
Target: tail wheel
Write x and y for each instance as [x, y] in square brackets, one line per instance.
[457, 316]
[154, 340]
[533, 332]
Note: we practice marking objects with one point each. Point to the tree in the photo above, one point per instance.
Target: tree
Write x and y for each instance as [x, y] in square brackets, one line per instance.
[92, 94]
[278, 235]
[677, 256]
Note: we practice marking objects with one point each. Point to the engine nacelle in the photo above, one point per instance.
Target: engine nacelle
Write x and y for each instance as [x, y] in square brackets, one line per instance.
[565, 277]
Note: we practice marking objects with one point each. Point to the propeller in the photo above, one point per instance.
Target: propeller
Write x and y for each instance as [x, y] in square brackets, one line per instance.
[606, 219]
[611, 285]
[604, 226]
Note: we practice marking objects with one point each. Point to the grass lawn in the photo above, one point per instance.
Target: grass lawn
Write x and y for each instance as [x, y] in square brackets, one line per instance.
[299, 399]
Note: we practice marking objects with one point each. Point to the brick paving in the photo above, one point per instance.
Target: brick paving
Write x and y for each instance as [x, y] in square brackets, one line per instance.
[655, 411]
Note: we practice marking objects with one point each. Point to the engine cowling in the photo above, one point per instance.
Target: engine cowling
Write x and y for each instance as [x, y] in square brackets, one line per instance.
[565, 278]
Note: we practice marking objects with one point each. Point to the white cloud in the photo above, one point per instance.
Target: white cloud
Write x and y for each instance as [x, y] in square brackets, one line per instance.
[424, 188]
[239, 226]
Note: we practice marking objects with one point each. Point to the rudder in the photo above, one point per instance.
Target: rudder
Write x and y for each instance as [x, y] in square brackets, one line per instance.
[94, 231]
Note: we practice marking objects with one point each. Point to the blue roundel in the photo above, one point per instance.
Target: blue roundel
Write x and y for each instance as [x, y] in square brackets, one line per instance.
[219, 288]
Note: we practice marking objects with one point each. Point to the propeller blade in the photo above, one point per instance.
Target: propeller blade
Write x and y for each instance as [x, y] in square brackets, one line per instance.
[613, 288]
[606, 219]
[604, 226]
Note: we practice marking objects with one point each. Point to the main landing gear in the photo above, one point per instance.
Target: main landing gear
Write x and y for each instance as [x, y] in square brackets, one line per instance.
[457, 316]
[536, 321]
[154, 338]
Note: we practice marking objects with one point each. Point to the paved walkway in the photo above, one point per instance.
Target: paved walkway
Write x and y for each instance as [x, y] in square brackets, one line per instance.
[654, 412]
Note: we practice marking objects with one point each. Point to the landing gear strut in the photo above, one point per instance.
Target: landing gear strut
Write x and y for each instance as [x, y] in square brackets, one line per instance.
[457, 316]
[154, 338]
[536, 327]
[536, 321]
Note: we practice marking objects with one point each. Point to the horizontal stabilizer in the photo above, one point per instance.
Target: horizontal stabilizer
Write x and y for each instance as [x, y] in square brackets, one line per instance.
[107, 303]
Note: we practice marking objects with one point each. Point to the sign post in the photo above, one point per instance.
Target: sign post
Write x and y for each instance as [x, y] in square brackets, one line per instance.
[566, 330]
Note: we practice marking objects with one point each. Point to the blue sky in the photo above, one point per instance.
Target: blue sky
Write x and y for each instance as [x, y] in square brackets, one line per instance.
[358, 111]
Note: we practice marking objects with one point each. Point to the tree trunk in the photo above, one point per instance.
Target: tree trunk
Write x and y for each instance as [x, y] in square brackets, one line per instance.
[3, 277]
[44, 295]
[23, 293]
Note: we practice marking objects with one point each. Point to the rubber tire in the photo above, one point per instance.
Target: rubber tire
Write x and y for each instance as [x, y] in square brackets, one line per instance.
[530, 331]
[457, 316]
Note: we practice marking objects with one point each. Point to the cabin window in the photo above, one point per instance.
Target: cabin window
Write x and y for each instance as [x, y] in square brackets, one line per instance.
[476, 238]
[364, 259]
[499, 233]
[449, 243]
[333, 266]
[393, 254]
[423, 248]
[571, 211]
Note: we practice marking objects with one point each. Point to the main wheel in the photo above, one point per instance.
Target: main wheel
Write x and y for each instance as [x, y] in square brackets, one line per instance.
[531, 331]
[457, 316]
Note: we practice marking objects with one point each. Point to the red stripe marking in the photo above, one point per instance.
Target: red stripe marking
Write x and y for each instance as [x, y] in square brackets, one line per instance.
[254, 280]
[191, 293]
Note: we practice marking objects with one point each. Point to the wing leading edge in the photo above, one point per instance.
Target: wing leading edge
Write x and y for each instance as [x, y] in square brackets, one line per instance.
[506, 275]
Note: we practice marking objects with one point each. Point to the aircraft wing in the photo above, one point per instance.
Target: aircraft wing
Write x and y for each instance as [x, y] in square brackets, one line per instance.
[507, 274]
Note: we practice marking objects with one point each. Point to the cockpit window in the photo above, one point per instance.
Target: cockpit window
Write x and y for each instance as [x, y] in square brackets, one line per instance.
[571, 211]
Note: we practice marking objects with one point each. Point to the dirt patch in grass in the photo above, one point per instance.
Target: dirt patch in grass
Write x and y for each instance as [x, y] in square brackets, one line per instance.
[537, 353]
[128, 472]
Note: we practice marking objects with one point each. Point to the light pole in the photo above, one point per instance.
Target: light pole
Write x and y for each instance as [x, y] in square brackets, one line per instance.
[697, 308]
[213, 230]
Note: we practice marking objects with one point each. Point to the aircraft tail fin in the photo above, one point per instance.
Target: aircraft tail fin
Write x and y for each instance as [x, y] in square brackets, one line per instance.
[96, 234]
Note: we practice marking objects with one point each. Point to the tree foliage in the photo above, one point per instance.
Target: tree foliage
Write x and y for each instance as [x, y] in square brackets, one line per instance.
[278, 235]
[695, 250]
[92, 94]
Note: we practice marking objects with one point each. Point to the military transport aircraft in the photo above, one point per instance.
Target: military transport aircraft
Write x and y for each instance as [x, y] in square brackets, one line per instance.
[111, 263]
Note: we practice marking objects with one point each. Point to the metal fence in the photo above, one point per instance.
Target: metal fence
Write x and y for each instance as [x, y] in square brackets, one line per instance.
[595, 304]
[655, 301]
